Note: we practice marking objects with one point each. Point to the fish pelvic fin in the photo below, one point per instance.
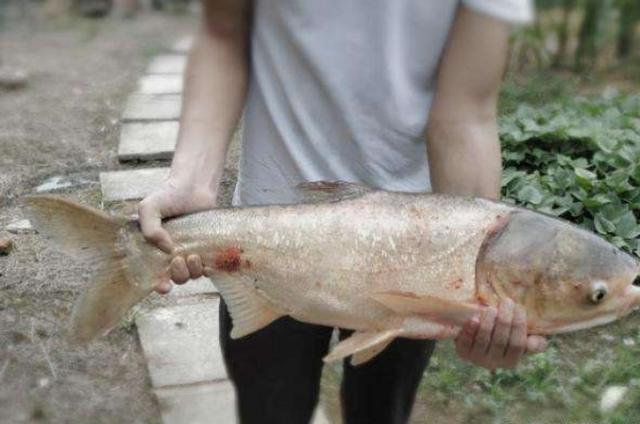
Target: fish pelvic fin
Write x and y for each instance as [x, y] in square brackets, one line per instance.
[435, 308]
[249, 310]
[363, 345]
[121, 275]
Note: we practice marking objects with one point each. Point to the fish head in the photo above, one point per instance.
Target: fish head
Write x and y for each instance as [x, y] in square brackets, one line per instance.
[567, 278]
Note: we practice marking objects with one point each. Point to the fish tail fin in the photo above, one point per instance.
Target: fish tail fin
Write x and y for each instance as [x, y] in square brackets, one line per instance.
[121, 277]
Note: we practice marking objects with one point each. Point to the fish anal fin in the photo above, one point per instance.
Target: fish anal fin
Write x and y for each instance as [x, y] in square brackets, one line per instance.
[369, 353]
[249, 310]
[435, 308]
[329, 191]
[364, 344]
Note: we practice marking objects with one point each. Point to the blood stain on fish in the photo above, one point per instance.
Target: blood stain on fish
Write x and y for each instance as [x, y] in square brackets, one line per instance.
[228, 259]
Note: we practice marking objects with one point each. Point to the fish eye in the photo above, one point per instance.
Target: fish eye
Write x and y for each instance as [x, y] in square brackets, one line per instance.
[636, 282]
[599, 293]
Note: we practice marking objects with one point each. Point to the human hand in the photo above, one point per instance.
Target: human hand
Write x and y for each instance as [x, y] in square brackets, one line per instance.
[498, 337]
[173, 199]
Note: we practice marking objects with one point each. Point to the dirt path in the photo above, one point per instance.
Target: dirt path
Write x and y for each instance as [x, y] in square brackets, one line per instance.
[66, 123]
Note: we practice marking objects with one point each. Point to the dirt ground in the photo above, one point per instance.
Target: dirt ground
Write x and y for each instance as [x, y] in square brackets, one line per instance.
[66, 123]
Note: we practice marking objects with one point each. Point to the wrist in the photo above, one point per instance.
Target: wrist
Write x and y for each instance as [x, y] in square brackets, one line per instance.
[194, 187]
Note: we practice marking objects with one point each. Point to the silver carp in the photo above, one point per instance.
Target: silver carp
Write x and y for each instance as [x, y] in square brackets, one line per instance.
[384, 264]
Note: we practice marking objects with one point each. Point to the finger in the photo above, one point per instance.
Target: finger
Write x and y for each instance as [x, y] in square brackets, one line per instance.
[194, 264]
[178, 270]
[501, 331]
[464, 341]
[483, 336]
[536, 344]
[151, 225]
[164, 287]
[518, 339]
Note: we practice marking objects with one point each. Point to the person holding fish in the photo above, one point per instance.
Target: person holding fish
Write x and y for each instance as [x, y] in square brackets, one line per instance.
[398, 95]
[353, 111]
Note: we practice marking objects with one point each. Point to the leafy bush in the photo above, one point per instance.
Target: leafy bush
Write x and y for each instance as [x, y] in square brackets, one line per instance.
[579, 160]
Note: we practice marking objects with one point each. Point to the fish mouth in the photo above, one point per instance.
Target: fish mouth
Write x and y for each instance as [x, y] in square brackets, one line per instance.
[632, 299]
[582, 325]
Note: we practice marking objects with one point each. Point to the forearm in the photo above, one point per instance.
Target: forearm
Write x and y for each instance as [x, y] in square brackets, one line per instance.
[464, 157]
[214, 96]
[462, 133]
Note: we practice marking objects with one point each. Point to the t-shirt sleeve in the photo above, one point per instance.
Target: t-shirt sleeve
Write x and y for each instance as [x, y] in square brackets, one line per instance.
[517, 11]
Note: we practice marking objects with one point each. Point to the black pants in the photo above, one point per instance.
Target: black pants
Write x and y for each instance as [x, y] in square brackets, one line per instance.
[276, 372]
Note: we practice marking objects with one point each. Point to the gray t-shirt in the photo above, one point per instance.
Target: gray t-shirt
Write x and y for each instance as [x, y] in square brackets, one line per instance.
[341, 90]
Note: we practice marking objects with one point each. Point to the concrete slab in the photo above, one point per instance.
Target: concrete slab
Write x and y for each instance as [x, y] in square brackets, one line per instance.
[152, 107]
[192, 288]
[131, 185]
[147, 140]
[198, 404]
[168, 64]
[183, 45]
[160, 84]
[181, 344]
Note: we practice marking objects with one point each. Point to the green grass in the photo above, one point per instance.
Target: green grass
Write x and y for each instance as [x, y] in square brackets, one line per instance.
[563, 384]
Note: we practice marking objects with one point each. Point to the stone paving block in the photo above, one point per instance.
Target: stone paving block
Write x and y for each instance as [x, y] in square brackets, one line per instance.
[198, 404]
[200, 286]
[131, 185]
[160, 84]
[184, 44]
[152, 107]
[181, 344]
[147, 140]
[168, 64]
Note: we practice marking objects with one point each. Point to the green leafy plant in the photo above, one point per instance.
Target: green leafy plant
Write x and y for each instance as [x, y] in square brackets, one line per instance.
[579, 160]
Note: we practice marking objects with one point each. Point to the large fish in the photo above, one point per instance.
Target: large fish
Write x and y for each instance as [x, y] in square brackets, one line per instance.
[384, 264]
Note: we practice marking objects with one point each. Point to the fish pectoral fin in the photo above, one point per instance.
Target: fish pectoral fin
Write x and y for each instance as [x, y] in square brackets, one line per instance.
[249, 310]
[364, 345]
[436, 308]
[329, 191]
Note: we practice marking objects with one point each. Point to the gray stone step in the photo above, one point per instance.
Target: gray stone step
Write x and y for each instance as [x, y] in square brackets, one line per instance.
[181, 344]
[198, 404]
[168, 64]
[160, 84]
[147, 140]
[152, 107]
[183, 45]
[131, 185]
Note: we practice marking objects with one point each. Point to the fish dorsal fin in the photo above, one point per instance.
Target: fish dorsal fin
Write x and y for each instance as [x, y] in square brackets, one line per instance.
[329, 191]
[249, 310]
[435, 308]
[364, 345]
